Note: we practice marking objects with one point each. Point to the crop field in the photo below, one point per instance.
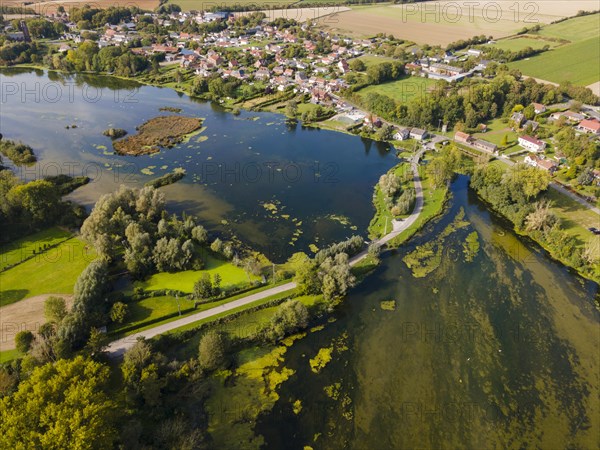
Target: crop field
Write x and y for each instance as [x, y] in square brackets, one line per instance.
[298, 14]
[574, 30]
[184, 281]
[578, 63]
[51, 272]
[522, 42]
[51, 6]
[402, 90]
[447, 21]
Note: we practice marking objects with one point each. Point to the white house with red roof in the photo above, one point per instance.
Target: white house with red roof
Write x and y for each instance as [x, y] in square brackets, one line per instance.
[532, 144]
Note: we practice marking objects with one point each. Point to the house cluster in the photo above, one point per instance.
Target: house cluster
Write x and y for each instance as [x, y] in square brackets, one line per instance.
[479, 144]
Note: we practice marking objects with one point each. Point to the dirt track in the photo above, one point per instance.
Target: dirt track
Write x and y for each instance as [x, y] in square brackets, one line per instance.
[25, 314]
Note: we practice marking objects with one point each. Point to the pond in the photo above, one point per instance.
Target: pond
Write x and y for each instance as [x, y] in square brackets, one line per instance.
[278, 188]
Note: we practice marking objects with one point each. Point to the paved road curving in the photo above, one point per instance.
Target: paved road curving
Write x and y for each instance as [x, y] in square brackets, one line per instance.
[117, 348]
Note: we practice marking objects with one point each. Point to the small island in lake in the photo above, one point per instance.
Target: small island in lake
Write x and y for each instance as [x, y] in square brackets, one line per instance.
[163, 131]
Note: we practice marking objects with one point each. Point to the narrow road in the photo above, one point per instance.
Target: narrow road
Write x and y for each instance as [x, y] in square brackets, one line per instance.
[117, 348]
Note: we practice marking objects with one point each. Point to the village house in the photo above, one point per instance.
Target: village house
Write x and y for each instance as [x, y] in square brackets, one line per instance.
[517, 118]
[463, 138]
[541, 163]
[538, 108]
[418, 134]
[343, 66]
[569, 115]
[589, 126]
[532, 144]
[402, 134]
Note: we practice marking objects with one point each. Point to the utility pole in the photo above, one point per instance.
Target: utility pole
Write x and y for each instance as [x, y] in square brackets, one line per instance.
[386, 224]
[273, 273]
[177, 300]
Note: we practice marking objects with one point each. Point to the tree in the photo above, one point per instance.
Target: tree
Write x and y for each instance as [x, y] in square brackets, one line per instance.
[23, 341]
[291, 110]
[118, 312]
[357, 65]
[134, 361]
[211, 351]
[55, 309]
[203, 288]
[289, 317]
[62, 405]
[504, 141]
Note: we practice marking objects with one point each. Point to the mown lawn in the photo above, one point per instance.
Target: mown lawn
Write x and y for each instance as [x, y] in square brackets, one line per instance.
[52, 272]
[17, 251]
[403, 90]
[184, 281]
[577, 63]
[575, 218]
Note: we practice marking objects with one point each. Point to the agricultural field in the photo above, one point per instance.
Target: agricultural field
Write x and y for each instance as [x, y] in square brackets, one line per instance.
[403, 90]
[51, 272]
[444, 22]
[573, 30]
[48, 7]
[577, 63]
[298, 14]
[519, 43]
[184, 281]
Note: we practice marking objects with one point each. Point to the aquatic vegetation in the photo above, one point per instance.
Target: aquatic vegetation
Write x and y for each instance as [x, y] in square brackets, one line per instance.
[388, 305]
[426, 258]
[313, 248]
[321, 360]
[471, 246]
[333, 390]
[297, 406]
[163, 131]
[114, 133]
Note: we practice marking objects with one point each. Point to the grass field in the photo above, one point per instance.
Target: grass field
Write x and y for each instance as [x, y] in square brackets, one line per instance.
[243, 326]
[574, 30]
[433, 204]
[575, 218]
[578, 63]
[446, 21]
[496, 130]
[403, 90]
[520, 43]
[184, 281]
[52, 272]
[24, 248]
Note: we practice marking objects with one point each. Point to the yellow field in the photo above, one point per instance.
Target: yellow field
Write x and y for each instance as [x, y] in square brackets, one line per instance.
[447, 21]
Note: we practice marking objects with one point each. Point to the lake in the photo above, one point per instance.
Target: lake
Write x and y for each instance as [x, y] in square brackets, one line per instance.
[500, 352]
[278, 188]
